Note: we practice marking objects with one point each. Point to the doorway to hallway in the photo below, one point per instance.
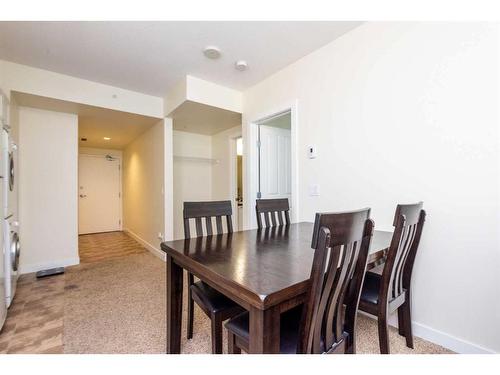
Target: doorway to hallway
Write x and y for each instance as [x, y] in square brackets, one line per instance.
[99, 194]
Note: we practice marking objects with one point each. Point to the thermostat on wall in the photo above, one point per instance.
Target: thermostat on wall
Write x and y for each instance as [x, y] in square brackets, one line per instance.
[311, 152]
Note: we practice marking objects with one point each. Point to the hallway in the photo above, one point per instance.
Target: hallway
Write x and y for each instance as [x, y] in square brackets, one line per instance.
[101, 247]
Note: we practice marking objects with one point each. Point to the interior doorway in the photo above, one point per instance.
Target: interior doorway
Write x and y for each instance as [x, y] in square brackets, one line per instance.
[271, 166]
[99, 194]
[274, 167]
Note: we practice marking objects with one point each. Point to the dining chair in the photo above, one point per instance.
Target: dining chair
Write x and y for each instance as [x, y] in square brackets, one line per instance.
[214, 304]
[341, 242]
[270, 209]
[387, 286]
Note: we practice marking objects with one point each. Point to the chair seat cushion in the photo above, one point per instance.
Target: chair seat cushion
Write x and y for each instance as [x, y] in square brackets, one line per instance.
[371, 287]
[214, 301]
[289, 328]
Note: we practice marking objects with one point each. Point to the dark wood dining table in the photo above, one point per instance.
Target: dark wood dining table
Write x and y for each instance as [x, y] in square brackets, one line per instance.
[266, 271]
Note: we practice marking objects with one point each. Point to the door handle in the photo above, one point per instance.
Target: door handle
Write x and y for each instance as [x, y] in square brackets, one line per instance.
[82, 195]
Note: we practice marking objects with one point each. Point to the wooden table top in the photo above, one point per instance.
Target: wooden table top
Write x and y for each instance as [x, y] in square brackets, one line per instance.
[262, 267]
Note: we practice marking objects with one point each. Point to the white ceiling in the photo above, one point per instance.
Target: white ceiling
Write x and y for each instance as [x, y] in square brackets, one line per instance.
[199, 118]
[151, 57]
[94, 123]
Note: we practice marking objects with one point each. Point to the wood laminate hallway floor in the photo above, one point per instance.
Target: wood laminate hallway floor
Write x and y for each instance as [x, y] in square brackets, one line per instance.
[100, 247]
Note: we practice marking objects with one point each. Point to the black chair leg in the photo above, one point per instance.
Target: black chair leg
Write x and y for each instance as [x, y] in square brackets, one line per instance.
[383, 334]
[190, 308]
[216, 323]
[407, 323]
[401, 321]
[232, 348]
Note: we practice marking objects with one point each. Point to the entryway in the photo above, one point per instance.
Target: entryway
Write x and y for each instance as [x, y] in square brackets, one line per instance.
[120, 185]
[99, 195]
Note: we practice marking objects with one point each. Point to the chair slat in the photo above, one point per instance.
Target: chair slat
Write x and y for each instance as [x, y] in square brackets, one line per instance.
[280, 217]
[187, 232]
[266, 218]
[199, 228]
[208, 222]
[273, 218]
[259, 220]
[218, 221]
[287, 217]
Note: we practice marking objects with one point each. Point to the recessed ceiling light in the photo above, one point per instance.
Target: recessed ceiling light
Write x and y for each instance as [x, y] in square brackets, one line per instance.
[212, 52]
[241, 65]
[107, 138]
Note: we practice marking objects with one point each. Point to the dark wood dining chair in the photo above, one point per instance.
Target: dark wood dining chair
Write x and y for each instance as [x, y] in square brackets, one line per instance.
[387, 286]
[270, 209]
[341, 242]
[214, 304]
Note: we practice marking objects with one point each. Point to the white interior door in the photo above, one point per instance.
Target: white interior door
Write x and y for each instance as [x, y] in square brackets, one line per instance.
[275, 163]
[99, 194]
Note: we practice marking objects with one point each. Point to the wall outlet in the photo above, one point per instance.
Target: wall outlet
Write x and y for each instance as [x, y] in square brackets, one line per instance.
[314, 190]
[160, 236]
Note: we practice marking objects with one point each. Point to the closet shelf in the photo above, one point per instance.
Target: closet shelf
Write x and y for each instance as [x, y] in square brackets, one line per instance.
[196, 159]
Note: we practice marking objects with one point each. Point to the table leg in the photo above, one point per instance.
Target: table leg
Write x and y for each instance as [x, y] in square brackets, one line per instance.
[174, 306]
[264, 330]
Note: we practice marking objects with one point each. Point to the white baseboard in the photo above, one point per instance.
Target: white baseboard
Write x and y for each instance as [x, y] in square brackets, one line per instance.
[154, 250]
[448, 341]
[35, 267]
[435, 336]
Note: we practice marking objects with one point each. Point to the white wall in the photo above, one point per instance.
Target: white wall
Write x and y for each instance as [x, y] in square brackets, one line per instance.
[402, 112]
[101, 151]
[222, 176]
[196, 178]
[48, 178]
[143, 178]
[200, 91]
[192, 178]
[16, 77]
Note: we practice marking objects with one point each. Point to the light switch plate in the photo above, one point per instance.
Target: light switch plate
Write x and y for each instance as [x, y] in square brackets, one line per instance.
[314, 190]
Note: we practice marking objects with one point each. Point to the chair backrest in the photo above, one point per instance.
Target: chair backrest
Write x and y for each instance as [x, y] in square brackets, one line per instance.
[408, 222]
[341, 242]
[270, 209]
[207, 210]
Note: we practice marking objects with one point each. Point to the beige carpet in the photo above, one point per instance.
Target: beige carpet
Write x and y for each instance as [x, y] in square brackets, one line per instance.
[119, 307]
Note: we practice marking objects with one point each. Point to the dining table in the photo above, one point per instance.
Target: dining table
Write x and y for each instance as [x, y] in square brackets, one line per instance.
[266, 271]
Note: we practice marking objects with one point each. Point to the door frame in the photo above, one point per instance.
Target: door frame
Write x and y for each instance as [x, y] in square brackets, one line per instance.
[250, 167]
[232, 172]
[103, 155]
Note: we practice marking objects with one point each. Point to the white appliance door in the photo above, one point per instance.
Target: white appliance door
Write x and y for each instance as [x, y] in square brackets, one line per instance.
[3, 300]
[99, 201]
[275, 163]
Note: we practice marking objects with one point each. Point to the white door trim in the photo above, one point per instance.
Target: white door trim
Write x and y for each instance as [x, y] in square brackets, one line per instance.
[233, 172]
[250, 166]
[119, 157]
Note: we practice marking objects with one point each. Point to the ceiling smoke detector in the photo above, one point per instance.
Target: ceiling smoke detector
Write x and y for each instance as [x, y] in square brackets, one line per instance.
[211, 52]
[241, 65]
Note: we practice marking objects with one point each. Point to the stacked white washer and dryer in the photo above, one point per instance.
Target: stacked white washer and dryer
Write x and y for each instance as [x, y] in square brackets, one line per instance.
[9, 214]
